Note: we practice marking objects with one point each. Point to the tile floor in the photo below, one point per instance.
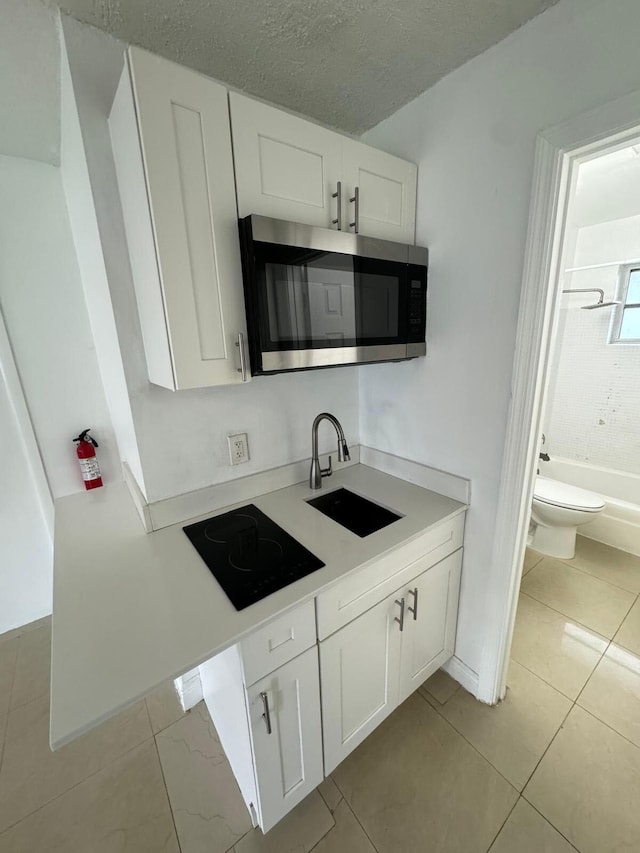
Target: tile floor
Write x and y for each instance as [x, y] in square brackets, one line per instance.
[554, 768]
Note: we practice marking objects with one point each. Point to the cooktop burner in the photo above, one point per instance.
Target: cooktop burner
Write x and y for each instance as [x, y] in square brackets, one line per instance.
[249, 554]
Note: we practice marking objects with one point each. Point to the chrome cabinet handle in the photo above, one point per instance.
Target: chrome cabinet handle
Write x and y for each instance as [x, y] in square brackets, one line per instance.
[266, 716]
[243, 363]
[338, 195]
[400, 619]
[356, 210]
[414, 609]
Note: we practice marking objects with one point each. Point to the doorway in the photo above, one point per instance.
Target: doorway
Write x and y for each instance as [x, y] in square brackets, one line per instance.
[559, 153]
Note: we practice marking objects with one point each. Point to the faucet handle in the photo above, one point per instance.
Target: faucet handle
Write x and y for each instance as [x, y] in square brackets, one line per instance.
[327, 472]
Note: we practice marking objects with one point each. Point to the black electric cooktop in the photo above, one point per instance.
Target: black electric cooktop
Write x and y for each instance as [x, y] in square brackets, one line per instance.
[249, 554]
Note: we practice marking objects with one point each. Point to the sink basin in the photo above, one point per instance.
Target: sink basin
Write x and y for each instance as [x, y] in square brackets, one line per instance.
[354, 512]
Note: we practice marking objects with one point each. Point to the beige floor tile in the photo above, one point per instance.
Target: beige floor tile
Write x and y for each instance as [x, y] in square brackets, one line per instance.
[330, 793]
[531, 559]
[31, 775]
[514, 734]
[298, 832]
[588, 786]
[440, 687]
[207, 805]
[554, 647]
[33, 667]
[164, 707]
[416, 784]
[613, 692]
[607, 563]
[629, 634]
[122, 808]
[594, 603]
[26, 629]
[8, 657]
[347, 836]
[3, 725]
[528, 832]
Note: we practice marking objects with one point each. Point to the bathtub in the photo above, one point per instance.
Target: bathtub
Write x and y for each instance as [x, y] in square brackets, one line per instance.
[619, 524]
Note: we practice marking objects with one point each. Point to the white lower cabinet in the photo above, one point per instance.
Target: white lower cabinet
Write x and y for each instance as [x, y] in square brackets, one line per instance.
[359, 675]
[429, 635]
[375, 662]
[284, 730]
[269, 722]
[286, 733]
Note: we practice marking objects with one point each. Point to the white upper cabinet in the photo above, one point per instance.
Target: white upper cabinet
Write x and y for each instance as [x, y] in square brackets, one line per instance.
[172, 149]
[384, 188]
[289, 168]
[286, 168]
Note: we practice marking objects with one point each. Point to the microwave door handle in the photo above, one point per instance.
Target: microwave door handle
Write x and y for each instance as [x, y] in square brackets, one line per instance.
[338, 196]
[243, 362]
[355, 198]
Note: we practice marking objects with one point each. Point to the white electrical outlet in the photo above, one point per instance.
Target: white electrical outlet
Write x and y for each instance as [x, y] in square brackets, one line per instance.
[238, 448]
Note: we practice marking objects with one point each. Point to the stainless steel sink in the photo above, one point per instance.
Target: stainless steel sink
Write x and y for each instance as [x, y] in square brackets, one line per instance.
[354, 512]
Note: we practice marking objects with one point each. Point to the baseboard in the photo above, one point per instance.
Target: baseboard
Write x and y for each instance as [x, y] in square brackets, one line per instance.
[463, 674]
[450, 485]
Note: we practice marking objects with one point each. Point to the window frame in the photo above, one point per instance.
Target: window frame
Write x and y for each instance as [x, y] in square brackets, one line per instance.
[622, 290]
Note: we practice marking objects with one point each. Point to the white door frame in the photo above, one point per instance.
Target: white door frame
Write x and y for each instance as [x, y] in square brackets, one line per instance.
[558, 151]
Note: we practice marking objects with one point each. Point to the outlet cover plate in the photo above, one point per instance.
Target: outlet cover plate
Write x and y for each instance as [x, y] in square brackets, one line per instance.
[238, 448]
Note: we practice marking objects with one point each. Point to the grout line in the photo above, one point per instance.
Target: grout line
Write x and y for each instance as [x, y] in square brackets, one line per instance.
[511, 810]
[553, 686]
[164, 778]
[597, 577]
[357, 819]
[546, 819]
[548, 747]
[608, 726]
[572, 618]
[464, 738]
[76, 785]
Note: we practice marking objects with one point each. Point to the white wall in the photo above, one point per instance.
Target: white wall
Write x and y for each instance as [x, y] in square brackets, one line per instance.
[46, 317]
[473, 136]
[182, 436]
[26, 508]
[86, 235]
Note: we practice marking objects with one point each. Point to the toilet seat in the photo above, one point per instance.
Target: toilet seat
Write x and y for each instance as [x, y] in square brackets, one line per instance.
[570, 497]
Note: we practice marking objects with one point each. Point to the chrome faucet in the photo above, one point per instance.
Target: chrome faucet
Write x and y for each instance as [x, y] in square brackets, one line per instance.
[317, 473]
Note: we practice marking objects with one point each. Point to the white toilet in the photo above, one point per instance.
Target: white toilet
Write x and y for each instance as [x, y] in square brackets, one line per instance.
[558, 510]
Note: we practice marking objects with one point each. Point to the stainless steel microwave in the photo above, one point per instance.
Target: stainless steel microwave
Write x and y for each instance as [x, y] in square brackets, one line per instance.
[321, 298]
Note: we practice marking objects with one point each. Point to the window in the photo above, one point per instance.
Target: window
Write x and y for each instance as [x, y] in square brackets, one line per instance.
[626, 321]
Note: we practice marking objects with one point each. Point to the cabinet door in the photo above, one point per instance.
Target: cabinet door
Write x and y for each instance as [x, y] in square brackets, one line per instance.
[387, 192]
[359, 672]
[182, 203]
[287, 740]
[286, 167]
[429, 634]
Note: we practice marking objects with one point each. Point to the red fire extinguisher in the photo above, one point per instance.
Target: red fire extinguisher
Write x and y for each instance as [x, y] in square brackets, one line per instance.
[88, 462]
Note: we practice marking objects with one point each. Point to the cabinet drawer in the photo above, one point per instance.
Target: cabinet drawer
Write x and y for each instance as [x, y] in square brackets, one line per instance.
[278, 642]
[366, 587]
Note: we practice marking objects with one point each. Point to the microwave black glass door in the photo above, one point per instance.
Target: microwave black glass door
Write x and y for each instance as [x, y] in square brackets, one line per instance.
[310, 299]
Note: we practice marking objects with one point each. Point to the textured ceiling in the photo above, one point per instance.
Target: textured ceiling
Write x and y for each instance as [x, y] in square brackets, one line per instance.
[346, 63]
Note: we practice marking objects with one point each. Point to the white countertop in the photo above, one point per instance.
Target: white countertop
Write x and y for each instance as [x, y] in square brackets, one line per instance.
[131, 609]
